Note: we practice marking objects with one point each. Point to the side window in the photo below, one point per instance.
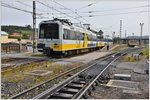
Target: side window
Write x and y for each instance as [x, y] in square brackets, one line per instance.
[41, 33]
[73, 34]
[68, 35]
[82, 36]
[78, 35]
[65, 34]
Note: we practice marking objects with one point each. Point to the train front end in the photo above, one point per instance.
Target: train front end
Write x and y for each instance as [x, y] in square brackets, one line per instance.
[48, 36]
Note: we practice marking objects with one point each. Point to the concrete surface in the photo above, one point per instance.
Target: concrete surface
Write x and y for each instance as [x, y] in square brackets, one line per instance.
[87, 57]
[123, 84]
[138, 67]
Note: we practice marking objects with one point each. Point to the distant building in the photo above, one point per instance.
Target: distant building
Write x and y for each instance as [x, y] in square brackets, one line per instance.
[15, 34]
[138, 37]
[4, 37]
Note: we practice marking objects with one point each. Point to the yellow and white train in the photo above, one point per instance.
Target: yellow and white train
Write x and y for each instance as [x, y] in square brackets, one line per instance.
[60, 37]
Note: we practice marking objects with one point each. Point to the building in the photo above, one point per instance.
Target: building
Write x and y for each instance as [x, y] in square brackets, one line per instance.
[15, 34]
[4, 37]
[134, 40]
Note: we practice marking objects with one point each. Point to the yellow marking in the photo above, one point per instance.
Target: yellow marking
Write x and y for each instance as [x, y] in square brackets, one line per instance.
[62, 47]
[85, 41]
[100, 44]
[66, 46]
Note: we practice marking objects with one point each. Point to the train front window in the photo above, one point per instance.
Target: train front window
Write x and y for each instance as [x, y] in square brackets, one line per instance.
[49, 31]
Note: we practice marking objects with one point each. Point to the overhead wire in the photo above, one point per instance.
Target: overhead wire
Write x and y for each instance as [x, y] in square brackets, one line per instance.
[114, 14]
[104, 10]
[59, 11]
[73, 12]
[87, 5]
[115, 9]
[31, 6]
[9, 6]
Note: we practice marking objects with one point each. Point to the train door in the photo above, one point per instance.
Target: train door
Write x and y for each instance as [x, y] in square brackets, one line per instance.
[78, 39]
[85, 42]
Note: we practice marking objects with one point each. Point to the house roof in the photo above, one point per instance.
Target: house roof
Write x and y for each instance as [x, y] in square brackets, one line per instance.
[3, 33]
[15, 34]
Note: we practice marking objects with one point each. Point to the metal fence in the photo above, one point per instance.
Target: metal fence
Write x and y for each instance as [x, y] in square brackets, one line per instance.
[13, 47]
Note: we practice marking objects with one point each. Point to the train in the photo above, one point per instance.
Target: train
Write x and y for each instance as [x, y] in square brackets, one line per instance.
[61, 37]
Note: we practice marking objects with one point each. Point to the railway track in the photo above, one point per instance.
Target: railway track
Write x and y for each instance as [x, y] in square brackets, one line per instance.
[75, 86]
[33, 91]
[74, 82]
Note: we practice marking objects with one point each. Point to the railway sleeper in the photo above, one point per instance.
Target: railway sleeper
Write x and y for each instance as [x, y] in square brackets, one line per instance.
[74, 86]
[68, 90]
[61, 96]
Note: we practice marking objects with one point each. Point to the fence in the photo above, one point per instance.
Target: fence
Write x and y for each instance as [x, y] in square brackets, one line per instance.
[13, 47]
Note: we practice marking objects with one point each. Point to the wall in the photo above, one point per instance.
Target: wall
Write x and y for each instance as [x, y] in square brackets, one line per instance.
[5, 39]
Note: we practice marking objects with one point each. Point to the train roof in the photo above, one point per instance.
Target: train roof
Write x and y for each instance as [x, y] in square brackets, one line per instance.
[68, 23]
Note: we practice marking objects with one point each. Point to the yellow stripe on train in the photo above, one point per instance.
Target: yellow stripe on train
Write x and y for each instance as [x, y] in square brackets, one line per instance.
[62, 47]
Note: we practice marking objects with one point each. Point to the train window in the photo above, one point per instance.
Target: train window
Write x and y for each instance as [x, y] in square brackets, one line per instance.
[65, 34]
[73, 35]
[49, 31]
[69, 35]
[78, 35]
[41, 33]
[81, 36]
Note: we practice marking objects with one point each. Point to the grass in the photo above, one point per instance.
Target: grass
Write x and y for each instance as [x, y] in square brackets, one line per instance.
[145, 52]
[129, 58]
[18, 74]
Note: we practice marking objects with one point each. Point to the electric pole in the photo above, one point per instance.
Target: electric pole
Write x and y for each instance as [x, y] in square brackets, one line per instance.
[141, 25]
[120, 27]
[34, 25]
[125, 33]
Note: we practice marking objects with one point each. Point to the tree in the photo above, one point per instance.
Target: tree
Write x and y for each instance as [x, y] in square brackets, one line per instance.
[28, 26]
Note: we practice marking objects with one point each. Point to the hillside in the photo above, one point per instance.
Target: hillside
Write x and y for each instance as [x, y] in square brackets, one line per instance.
[20, 29]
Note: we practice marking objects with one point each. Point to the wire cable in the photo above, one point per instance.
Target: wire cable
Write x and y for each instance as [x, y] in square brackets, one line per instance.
[59, 11]
[73, 12]
[114, 14]
[31, 6]
[115, 9]
[9, 6]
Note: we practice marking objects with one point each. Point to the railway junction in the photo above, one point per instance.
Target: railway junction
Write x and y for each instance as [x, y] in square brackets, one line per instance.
[91, 68]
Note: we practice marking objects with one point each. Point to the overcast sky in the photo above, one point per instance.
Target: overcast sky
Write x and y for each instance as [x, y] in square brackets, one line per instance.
[105, 15]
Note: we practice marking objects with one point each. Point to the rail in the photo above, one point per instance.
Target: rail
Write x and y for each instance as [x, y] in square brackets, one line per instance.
[41, 87]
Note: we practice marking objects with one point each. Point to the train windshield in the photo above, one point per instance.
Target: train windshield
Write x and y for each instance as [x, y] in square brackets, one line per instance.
[49, 31]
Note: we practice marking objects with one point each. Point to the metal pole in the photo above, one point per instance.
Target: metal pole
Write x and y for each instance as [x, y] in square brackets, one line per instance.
[125, 33]
[141, 25]
[125, 36]
[34, 25]
[120, 27]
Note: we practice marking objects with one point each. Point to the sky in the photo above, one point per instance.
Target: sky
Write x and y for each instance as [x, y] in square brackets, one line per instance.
[106, 15]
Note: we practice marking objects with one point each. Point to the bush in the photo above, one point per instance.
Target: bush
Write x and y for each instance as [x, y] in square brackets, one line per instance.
[145, 51]
[14, 37]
